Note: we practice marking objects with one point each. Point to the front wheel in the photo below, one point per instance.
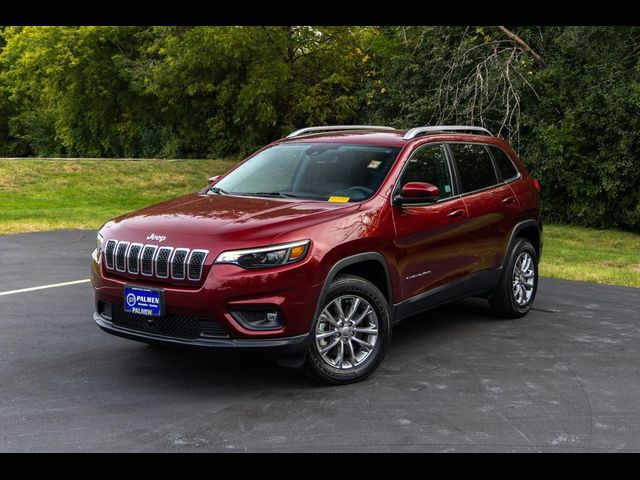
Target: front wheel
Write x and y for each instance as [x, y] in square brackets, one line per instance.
[517, 289]
[351, 334]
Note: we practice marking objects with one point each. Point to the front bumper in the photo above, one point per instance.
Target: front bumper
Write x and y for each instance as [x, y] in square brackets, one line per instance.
[289, 290]
[285, 346]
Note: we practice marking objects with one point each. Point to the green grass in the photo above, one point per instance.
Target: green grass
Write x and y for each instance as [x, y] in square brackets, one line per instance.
[38, 195]
[601, 256]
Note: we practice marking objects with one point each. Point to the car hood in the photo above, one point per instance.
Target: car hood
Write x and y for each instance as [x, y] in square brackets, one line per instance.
[238, 220]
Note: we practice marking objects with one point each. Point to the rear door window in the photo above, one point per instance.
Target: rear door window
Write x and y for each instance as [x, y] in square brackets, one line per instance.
[474, 165]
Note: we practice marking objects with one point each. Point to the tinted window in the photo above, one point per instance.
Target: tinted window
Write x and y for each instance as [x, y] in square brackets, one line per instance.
[429, 164]
[505, 165]
[475, 166]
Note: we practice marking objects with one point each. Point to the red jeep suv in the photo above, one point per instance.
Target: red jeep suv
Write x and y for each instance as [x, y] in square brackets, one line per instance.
[317, 244]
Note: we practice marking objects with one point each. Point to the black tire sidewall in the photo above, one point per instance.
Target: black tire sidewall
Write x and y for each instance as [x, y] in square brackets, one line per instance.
[345, 285]
[520, 247]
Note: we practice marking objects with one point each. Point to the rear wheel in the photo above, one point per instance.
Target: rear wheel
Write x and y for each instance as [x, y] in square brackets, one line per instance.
[351, 334]
[517, 289]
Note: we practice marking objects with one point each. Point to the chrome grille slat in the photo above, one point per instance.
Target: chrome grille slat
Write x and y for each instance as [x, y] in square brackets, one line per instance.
[146, 261]
[109, 253]
[162, 262]
[121, 256]
[196, 262]
[133, 259]
[178, 262]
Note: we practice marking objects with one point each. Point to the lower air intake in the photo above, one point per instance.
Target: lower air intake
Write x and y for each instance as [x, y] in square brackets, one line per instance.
[171, 325]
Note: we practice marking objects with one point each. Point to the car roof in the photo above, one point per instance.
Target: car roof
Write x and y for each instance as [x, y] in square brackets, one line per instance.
[390, 138]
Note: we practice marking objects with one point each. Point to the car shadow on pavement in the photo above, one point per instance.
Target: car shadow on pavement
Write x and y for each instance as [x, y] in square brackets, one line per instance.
[188, 369]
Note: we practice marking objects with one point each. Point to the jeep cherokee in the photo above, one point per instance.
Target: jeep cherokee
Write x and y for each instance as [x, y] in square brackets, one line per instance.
[317, 244]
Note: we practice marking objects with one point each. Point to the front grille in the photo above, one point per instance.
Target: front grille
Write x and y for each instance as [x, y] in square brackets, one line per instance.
[162, 262]
[121, 251]
[146, 263]
[196, 261]
[153, 260]
[104, 309]
[209, 328]
[171, 325]
[109, 251]
[177, 263]
[134, 255]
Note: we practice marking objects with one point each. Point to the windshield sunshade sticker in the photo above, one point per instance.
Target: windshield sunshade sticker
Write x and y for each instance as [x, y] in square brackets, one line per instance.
[374, 164]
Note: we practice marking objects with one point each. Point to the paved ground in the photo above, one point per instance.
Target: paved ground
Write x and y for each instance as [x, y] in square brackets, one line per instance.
[565, 378]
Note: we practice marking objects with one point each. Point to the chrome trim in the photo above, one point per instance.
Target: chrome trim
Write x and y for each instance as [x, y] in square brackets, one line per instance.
[155, 251]
[137, 271]
[113, 255]
[153, 258]
[184, 264]
[335, 128]
[155, 262]
[414, 132]
[126, 250]
[188, 264]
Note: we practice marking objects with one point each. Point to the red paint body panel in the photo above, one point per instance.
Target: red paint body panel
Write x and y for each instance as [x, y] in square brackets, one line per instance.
[449, 239]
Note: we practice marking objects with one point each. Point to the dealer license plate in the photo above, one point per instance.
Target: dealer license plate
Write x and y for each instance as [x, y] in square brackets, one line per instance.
[143, 301]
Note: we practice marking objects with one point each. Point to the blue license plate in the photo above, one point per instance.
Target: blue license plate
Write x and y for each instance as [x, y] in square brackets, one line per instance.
[144, 301]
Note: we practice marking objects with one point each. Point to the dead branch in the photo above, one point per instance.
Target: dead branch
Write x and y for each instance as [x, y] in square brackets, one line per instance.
[525, 46]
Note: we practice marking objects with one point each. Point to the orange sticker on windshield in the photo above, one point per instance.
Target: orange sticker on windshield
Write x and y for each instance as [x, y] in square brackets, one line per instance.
[334, 198]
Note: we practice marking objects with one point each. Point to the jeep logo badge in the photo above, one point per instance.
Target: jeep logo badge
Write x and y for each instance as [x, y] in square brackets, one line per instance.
[158, 238]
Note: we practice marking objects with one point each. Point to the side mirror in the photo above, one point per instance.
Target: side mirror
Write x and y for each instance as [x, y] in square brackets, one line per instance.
[417, 192]
[213, 180]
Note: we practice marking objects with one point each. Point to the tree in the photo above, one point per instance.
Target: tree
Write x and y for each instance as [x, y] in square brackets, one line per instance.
[232, 89]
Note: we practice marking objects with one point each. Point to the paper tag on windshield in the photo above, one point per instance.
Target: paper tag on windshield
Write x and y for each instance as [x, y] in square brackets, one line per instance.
[335, 198]
[374, 164]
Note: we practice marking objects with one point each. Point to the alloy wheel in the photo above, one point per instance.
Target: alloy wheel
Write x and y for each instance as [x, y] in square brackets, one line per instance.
[347, 332]
[523, 279]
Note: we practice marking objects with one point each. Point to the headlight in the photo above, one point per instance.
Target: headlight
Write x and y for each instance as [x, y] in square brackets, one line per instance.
[99, 242]
[267, 256]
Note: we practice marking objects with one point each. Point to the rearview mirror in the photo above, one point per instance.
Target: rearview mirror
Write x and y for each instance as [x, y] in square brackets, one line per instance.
[417, 192]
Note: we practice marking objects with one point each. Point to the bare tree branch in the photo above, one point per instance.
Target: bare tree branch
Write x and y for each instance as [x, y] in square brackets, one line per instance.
[483, 86]
[525, 46]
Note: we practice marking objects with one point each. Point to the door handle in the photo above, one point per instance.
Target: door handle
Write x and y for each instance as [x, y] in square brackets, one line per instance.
[456, 213]
[508, 200]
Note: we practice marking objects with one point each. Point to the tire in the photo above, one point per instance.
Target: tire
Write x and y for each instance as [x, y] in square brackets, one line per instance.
[509, 300]
[357, 360]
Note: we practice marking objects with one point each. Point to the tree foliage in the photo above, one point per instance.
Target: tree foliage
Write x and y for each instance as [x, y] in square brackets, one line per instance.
[566, 97]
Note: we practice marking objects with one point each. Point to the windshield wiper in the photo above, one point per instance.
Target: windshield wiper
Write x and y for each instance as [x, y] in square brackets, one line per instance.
[271, 194]
[218, 191]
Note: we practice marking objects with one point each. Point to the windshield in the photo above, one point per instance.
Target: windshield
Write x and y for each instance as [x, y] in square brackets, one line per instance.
[322, 171]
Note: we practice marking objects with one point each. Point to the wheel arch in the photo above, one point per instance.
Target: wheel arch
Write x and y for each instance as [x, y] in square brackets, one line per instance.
[371, 266]
[529, 230]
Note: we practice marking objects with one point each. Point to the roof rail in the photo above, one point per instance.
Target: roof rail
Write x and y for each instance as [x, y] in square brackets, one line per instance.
[414, 132]
[331, 128]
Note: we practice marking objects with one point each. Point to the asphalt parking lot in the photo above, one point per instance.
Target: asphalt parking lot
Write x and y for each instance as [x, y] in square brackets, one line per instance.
[565, 378]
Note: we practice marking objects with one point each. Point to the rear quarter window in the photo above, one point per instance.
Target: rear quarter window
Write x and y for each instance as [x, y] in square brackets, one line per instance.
[504, 163]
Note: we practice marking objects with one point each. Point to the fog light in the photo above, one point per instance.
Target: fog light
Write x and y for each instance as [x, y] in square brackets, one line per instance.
[257, 318]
